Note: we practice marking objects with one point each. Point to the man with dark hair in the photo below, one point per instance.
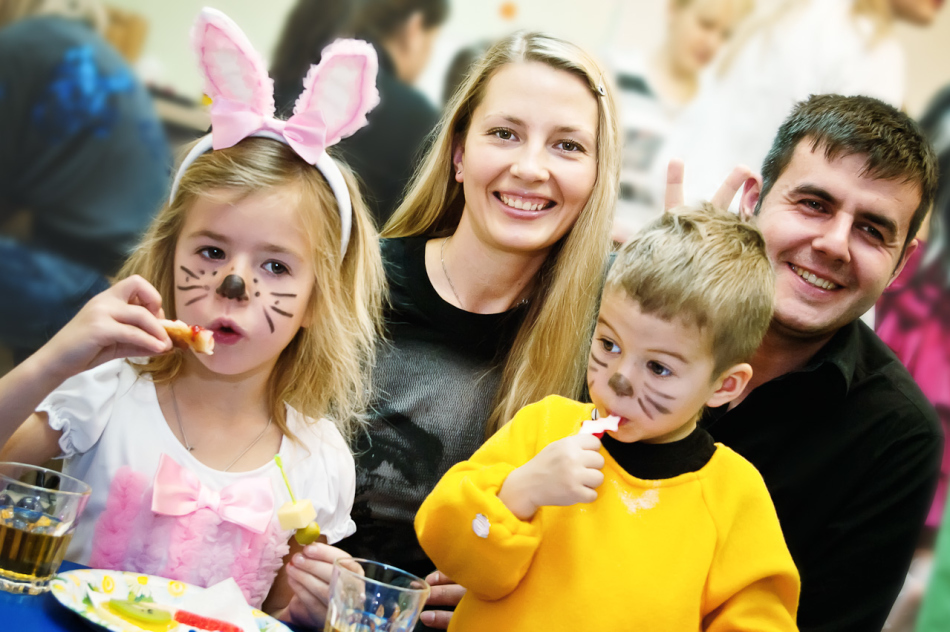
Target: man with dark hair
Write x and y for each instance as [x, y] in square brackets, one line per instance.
[847, 444]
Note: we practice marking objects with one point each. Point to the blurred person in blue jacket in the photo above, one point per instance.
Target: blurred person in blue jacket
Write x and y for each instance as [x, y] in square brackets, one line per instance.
[82, 153]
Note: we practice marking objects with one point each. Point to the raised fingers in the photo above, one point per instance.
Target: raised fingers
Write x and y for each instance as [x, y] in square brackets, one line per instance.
[674, 184]
[728, 189]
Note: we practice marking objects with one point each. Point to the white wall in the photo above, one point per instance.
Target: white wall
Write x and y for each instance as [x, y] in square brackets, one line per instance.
[599, 25]
[167, 59]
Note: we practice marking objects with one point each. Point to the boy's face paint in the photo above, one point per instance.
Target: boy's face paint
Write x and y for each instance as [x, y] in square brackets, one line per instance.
[259, 244]
[656, 375]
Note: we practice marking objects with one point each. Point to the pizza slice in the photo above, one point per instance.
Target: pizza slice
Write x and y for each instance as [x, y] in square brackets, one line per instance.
[199, 339]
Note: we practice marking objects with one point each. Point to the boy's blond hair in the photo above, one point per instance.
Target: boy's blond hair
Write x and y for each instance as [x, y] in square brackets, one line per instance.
[704, 266]
[323, 371]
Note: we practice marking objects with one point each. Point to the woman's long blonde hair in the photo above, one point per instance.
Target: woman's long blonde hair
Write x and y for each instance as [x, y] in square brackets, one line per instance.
[323, 372]
[548, 355]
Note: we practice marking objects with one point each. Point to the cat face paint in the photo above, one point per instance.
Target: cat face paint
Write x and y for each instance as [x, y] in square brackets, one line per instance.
[244, 270]
[656, 375]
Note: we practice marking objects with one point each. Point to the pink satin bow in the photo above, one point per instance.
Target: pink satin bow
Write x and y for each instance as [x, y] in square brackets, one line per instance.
[178, 492]
[232, 122]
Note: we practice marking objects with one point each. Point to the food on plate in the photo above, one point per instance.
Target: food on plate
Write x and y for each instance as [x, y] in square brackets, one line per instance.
[155, 617]
[204, 623]
[139, 611]
[200, 340]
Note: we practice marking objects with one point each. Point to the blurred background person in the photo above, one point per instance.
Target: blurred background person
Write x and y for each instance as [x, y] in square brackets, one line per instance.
[460, 66]
[309, 28]
[384, 154]
[83, 164]
[655, 90]
[913, 319]
[785, 53]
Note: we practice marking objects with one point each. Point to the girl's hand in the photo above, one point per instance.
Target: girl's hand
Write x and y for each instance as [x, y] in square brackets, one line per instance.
[118, 323]
[308, 575]
[564, 473]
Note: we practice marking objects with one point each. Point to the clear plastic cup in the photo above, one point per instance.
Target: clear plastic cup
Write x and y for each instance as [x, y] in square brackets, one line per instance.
[369, 596]
[38, 512]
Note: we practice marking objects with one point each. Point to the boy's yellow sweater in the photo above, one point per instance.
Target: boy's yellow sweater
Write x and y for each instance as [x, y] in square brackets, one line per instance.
[700, 551]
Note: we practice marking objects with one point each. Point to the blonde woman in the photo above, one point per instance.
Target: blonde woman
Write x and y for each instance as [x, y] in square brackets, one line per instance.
[494, 263]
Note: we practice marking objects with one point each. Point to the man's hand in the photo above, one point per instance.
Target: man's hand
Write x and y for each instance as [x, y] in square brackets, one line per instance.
[444, 593]
[722, 198]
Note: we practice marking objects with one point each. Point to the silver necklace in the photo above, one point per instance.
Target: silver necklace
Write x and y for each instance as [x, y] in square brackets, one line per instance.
[190, 447]
[445, 271]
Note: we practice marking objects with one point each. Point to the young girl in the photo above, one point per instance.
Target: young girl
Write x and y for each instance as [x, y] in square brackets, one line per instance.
[494, 262]
[266, 243]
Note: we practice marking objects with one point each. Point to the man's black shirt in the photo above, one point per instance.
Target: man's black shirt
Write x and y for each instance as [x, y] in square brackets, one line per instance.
[849, 448]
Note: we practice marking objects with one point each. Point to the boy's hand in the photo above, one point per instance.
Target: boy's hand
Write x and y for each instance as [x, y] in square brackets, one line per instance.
[308, 574]
[118, 323]
[565, 472]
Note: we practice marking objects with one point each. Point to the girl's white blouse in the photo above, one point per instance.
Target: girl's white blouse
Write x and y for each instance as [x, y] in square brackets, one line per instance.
[110, 417]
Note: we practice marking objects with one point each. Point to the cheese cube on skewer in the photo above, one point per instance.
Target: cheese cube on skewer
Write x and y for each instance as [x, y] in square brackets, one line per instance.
[296, 515]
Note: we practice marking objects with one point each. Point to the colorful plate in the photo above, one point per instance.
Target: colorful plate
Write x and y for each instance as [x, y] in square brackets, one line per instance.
[72, 589]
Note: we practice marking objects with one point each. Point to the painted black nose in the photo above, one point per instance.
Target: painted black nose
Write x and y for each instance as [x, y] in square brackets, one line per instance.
[232, 287]
[620, 385]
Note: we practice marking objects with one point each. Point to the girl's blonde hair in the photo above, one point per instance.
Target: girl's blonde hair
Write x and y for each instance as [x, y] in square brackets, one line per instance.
[548, 355]
[323, 372]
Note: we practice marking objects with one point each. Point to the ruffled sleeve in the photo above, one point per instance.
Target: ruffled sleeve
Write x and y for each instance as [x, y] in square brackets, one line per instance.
[327, 476]
[82, 405]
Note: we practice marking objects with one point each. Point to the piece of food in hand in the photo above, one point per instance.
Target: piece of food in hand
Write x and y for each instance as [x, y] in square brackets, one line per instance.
[308, 534]
[199, 339]
[296, 515]
[598, 427]
[205, 623]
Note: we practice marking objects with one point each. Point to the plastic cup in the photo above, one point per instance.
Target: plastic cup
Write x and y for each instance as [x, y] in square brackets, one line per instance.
[369, 596]
[38, 512]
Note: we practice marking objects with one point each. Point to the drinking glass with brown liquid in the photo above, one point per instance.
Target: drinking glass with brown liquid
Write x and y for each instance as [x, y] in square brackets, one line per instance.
[38, 512]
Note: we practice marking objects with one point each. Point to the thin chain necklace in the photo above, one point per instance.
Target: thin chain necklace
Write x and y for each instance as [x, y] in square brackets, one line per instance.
[190, 447]
[445, 271]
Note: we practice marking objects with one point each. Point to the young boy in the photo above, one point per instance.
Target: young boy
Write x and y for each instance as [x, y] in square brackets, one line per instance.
[656, 527]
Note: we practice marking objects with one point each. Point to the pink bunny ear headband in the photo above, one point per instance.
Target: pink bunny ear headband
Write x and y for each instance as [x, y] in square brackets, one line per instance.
[337, 94]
